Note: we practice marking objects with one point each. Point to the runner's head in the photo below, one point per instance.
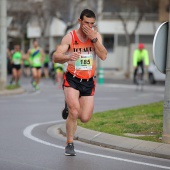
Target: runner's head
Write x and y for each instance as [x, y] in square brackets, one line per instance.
[17, 47]
[35, 43]
[88, 13]
[141, 46]
[87, 17]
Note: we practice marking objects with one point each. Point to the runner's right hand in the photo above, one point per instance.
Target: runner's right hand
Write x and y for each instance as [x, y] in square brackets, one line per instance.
[74, 56]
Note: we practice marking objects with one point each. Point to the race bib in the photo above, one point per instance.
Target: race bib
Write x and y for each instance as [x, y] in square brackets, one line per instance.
[36, 61]
[85, 62]
[17, 61]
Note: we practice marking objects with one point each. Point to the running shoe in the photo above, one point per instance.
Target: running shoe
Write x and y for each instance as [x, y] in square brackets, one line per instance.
[34, 84]
[69, 150]
[37, 87]
[65, 112]
[11, 81]
[18, 84]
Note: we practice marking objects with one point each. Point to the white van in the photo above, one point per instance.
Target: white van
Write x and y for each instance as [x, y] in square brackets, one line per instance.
[154, 74]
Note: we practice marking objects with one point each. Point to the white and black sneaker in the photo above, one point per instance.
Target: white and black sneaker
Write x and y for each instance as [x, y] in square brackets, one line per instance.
[69, 150]
[65, 112]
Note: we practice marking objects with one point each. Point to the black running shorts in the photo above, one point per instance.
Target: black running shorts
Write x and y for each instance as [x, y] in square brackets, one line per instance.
[16, 66]
[84, 86]
[38, 68]
[45, 65]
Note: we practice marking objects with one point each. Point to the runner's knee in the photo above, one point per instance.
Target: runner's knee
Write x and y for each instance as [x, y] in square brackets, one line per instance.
[73, 113]
[85, 119]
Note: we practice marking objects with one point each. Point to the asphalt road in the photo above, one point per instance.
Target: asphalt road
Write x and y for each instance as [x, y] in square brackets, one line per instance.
[25, 120]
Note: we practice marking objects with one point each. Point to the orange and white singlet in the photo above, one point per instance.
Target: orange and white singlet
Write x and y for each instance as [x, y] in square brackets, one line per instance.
[84, 67]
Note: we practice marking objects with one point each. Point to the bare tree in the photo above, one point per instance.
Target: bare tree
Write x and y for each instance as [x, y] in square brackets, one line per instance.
[131, 10]
[42, 12]
[21, 12]
[69, 10]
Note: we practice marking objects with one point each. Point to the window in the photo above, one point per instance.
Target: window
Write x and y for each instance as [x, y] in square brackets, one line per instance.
[146, 39]
[108, 41]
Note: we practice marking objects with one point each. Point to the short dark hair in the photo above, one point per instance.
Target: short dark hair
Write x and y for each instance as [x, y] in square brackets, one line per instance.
[88, 13]
[34, 40]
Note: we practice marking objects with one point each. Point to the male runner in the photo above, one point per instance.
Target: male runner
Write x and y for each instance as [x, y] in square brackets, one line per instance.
[79, 48]
[16, 60]
[36, 57]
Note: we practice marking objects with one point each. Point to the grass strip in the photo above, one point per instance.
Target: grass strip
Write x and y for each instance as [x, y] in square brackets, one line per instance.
[12, 87]
[144, 122]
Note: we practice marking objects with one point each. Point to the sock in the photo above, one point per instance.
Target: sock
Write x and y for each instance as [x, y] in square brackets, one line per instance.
[69, 141]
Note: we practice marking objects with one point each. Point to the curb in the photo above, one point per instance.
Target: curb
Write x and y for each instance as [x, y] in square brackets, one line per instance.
[12, 92]
[126, 144]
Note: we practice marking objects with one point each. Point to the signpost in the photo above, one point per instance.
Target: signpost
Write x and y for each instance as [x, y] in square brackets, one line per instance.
[161, 52]
[160, 47]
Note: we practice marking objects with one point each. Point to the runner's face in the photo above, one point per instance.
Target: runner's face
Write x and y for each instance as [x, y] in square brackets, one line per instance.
[17, 47]
[87, 21]
[35, 44]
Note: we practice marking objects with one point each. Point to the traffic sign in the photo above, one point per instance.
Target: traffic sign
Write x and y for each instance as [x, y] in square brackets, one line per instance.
[160, 44]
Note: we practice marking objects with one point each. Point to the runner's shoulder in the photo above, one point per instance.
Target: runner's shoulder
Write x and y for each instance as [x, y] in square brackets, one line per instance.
[66, 39]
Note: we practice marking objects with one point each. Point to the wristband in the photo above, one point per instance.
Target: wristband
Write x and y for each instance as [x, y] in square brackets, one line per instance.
[94, 40]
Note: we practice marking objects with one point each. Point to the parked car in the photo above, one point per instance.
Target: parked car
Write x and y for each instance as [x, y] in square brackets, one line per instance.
[154, 74]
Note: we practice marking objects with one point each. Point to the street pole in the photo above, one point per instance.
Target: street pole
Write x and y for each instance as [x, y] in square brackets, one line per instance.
[99, 17]
[3, 43]
[166, 116]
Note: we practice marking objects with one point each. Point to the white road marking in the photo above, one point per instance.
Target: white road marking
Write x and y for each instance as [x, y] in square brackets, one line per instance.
[28, 133]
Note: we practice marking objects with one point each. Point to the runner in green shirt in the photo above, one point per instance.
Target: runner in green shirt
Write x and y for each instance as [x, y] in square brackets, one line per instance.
[16, 60]
[36, 57]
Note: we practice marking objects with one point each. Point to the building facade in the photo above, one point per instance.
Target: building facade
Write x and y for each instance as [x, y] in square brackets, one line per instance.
[114, 20]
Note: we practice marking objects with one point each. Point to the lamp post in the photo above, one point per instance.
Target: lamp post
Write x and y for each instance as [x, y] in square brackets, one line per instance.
[166, 117]
[3, 43]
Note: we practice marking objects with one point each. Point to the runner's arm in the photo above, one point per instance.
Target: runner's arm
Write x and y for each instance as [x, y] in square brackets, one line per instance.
[99, 48]
[8, 54]
[60, 55]
[42, 56]
[146, 58]
[12, 53]
[135, 57]
[28, 56]
[23, 57]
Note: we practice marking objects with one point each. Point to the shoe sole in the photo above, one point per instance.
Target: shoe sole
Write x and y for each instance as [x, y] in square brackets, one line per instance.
[66, 154]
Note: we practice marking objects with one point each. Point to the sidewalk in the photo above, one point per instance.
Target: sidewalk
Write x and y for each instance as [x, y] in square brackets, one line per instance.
[6, 92]
[148, 148]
